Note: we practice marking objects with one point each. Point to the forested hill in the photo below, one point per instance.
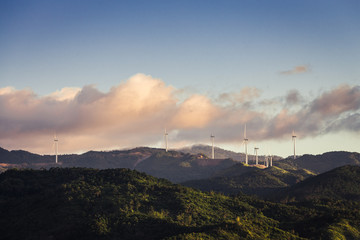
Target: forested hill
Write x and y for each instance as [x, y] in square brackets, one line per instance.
[250, 180]
[342, 183]
[78, 203]
[63, 203]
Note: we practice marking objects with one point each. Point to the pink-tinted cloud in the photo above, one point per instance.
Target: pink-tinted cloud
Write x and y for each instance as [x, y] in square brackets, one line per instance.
[195, 112]
[341, 99]
[296, 70]
[135, 113]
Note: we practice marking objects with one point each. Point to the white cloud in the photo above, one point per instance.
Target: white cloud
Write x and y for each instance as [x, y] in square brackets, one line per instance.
[66, 93]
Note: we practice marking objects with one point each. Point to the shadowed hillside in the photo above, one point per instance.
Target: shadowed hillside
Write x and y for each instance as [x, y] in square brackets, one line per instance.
[178, 167]
[250, 180]
[342, 183]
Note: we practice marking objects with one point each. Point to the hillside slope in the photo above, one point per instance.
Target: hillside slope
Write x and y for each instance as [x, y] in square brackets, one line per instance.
[178, 167]
[121, 204]
[342, 183]
[78, 203]
[250, 180]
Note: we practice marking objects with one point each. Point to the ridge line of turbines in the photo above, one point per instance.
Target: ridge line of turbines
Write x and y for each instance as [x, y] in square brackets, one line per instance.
[212, 137]
[245, 141]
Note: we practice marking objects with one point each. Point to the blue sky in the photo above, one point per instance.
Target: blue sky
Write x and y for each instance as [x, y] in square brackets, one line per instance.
[197, 47]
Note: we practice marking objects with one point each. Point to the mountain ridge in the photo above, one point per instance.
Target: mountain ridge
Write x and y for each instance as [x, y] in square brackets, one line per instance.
[174, 165]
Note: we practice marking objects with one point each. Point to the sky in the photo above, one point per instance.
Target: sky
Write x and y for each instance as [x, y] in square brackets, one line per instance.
[107, 75]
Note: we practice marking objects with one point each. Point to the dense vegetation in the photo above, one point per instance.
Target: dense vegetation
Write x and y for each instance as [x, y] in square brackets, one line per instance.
[337, 184]
[121, 204]
[81, 203]
[250, 180]
[63, 203]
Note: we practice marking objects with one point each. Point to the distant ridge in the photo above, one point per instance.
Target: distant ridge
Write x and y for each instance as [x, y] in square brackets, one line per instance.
[173, 165]
[321, 163]
[177, 166]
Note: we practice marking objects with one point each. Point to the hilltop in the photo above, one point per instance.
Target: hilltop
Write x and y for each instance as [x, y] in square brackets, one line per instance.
[221, 153]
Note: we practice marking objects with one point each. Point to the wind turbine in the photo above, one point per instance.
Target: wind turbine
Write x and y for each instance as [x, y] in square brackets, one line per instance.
[245, 143]
[212, 150]
[270, 158]
[256, 155]
[166, 140]
[294, 142]
[56, 141]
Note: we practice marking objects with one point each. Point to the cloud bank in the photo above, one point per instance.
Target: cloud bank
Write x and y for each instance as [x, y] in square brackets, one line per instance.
[136, 112]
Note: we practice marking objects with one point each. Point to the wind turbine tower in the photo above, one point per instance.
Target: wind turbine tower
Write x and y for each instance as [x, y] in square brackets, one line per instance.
[256, 155]
[270, 158]
[166, 140]
[266, 161]
[212, 149]
[294, 142]
[56, 141]
[245, 143]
